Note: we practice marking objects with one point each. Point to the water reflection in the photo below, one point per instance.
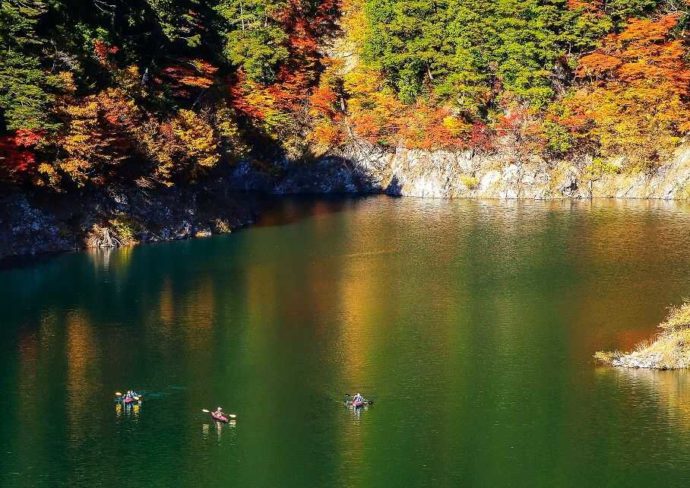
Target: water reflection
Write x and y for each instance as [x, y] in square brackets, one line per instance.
[669, 390]
[130, 411]
[108, 259]
[83, 376]
[219, 429]
[280, 212]
[471, 323]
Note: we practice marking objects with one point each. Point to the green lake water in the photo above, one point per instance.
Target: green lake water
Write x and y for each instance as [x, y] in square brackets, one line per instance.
[471, 324]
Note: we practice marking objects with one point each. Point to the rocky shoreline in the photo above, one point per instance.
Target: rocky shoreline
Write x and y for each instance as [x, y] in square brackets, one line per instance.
[364, 168]
[649, 356]
[36, 223]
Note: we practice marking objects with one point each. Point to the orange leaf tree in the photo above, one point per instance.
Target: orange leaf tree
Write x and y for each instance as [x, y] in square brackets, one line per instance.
[632, 100]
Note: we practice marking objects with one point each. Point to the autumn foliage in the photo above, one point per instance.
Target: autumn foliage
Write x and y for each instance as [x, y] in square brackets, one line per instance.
[633, 98]
[17, 153]
[187, 78]
[166, 92]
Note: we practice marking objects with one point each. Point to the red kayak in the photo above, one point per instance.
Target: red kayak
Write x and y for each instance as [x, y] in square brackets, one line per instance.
[219, 418]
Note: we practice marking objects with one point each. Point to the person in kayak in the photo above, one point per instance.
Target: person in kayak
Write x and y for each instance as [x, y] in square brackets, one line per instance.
[219, 412]
[131, 396]
[357, 399]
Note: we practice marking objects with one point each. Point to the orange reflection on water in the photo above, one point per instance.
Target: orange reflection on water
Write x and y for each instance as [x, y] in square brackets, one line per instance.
[166, 303]
[628, 339]
[83, 372]
[361, 289]
[360, 296]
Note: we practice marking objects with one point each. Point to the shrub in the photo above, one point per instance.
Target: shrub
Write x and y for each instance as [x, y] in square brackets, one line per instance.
[677, 318]
[471, 182]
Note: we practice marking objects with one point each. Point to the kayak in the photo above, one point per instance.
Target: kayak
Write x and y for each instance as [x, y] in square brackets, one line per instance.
[219, 418]
[128, 401]
[358, 404]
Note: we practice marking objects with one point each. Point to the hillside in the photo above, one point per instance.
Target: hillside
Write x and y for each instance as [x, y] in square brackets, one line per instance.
[148, 93]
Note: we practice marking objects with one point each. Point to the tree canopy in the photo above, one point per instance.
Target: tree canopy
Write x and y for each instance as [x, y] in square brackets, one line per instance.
[162, 91]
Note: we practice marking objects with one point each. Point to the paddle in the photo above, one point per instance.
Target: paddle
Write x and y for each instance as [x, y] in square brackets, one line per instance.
[137, 398]
[230, 415]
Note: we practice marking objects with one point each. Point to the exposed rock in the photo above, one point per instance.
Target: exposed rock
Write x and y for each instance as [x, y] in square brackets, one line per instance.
[636, 360]
[100, 236]
[38, 223]
[365, 168]
[201, 233]
[28, 230]
[34, 224]
[221, 226]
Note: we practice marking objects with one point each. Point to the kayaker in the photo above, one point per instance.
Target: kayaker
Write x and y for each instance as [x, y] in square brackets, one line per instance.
[358, 399]
[219, 412]
[131, 395]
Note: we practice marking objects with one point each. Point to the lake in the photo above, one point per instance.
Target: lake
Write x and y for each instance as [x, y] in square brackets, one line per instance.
[471, 324]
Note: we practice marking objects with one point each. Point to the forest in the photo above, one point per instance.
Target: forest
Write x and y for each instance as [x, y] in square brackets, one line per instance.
[160, 92]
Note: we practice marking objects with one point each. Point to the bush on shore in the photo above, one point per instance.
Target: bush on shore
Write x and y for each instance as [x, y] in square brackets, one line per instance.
[669, 350]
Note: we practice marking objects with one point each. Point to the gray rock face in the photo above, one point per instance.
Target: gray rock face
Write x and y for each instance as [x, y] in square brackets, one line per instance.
[33, 224]
[364, 168]
[27, 229]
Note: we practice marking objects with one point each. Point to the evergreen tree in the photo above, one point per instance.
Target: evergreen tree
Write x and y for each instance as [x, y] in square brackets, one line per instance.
[255, 38]
[24, 84]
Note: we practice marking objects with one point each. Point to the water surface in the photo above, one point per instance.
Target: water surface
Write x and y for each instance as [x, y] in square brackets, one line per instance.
[472, 324]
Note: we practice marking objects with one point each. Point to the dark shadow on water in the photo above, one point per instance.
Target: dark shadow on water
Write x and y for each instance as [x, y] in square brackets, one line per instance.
[273, 210]
[17, 262]
[285, 210]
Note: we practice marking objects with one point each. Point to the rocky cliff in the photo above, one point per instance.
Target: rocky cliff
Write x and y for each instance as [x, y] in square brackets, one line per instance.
[31, 224]
[363, 168]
